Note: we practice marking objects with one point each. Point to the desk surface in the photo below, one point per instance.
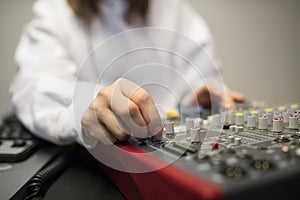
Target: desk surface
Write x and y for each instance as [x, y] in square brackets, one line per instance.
[83, 179]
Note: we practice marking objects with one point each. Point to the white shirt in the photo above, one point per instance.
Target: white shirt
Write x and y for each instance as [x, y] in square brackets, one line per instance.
[55, 44]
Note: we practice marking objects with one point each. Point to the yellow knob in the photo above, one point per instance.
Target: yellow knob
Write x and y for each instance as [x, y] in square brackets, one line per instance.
[268, 110]
[254, 112]
[281, 108]
[172, 113]
[294, 106]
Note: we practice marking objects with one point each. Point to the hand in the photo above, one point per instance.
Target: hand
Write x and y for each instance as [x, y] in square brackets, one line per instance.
[119, 111]
[208, 94]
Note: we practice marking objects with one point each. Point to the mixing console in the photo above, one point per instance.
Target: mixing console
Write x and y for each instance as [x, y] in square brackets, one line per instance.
[252, 152]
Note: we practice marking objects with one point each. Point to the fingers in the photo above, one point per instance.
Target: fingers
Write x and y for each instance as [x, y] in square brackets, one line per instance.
[237, 97]
[146, 107]
[113, 125]
[227, 102]
[140, 97]
[207, 95]
[105, 115]
[129, 113]
[92, 127]
[125, 109]
[101, 133]
[215, 95]
[231, 98]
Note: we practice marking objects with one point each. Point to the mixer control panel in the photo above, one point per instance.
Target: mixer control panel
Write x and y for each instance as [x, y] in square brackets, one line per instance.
[238, 148]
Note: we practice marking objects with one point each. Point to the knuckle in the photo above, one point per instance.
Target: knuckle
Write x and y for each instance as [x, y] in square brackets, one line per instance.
[122, 136]
[121, 81]
[95, 108]
[103, 93]
[87, 118]
[142, 97]
[133, 110]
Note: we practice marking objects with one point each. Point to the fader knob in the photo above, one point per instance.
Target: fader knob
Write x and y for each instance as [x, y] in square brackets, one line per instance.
[277, 124]
[293, 121]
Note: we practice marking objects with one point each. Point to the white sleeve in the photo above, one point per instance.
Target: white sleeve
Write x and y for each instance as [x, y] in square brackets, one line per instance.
[42, 89]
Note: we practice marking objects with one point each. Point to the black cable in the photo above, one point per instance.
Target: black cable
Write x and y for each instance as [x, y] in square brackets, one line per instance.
[41, 181]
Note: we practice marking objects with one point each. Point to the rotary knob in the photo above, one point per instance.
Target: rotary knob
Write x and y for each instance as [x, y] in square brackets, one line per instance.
[251, 122]
[263, 122]
[277, 124]
[293, 121]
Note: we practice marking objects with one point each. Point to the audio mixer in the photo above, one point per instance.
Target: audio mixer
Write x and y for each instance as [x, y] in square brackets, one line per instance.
[252, 152]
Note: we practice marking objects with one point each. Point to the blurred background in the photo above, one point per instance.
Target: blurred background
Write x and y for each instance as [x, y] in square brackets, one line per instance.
[257, 42]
